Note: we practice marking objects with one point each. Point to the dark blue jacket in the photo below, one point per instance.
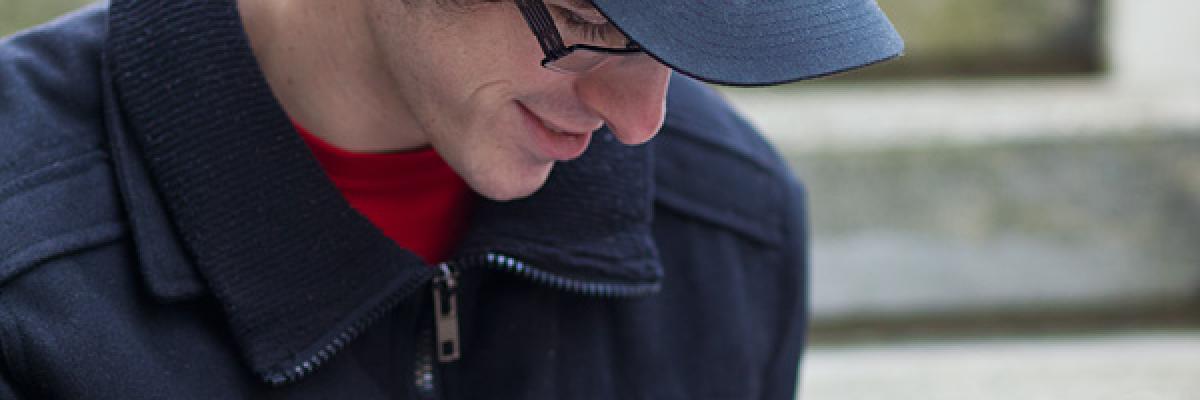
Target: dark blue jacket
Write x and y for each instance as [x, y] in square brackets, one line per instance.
[164, 234]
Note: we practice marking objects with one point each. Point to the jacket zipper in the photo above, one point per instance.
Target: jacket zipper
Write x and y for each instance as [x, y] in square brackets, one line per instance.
[330, 349]
[444, 342]
[445, 293]
[445, 311]
[587, 288]
[445, 289]
[445, 301]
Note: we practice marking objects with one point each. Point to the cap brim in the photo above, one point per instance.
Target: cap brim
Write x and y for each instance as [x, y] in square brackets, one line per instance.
[757, 42]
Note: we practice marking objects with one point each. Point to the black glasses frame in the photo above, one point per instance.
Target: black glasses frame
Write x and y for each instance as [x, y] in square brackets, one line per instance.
[542, 24]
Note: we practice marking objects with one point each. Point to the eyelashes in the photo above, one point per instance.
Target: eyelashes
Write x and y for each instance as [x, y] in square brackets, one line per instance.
[584, 27]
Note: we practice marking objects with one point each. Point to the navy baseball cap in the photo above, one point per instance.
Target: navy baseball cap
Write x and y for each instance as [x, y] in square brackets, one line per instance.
[757, 42]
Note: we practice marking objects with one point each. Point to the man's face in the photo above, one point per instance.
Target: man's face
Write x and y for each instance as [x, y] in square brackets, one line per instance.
[470, 78]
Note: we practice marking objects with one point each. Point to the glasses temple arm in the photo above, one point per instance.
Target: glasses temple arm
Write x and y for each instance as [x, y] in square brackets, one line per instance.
[539, 20]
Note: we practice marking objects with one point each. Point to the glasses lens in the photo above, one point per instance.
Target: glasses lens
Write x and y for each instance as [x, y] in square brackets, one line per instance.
[582, 59]
[579, 60]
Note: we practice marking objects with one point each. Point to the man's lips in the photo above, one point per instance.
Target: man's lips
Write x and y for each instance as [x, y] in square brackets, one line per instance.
[570, 128]
[552, 142]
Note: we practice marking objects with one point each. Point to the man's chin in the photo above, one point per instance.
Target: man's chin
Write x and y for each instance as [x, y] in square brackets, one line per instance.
[513, 185]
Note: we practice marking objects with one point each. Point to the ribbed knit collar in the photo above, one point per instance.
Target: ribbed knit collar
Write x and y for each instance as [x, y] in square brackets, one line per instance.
[291, 263]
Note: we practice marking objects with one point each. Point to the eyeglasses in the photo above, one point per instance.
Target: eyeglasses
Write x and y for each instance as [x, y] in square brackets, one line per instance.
[574, 59]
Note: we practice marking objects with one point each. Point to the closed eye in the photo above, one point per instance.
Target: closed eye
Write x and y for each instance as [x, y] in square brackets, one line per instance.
[593, 28]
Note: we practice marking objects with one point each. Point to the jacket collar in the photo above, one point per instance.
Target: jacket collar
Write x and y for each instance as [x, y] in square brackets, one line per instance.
[240, 207]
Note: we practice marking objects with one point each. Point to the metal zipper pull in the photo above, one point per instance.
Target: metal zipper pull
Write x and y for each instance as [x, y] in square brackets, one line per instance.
[445, 307]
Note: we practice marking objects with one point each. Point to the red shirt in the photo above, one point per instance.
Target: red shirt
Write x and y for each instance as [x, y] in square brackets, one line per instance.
[414, 197]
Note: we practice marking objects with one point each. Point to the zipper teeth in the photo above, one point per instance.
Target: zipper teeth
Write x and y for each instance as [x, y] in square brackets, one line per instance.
[495, 260]
[596, 289]
[339, 342]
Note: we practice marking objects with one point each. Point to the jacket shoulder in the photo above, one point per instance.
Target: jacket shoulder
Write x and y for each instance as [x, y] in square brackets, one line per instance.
[50, 92]
[56, 186]
[711, 164]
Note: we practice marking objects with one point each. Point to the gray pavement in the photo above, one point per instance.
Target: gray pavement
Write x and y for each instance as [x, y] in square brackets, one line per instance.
[1133, 365]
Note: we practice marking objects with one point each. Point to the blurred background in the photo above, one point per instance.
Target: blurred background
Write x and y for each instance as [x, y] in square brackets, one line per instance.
[1009, 211]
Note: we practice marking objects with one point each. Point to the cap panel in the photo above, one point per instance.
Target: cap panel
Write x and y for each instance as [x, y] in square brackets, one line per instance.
[757, 42]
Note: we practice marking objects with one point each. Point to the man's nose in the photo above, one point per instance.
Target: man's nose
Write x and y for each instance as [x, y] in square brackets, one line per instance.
[630, 94]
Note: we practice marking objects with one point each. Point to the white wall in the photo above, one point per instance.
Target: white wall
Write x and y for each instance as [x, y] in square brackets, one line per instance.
[1154, 44]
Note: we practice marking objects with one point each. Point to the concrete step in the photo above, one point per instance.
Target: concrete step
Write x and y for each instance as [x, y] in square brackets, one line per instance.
[1130, 365]
[1042, 224]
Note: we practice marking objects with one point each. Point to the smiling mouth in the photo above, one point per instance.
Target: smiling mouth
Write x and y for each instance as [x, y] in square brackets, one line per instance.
[552, 143]
[556, 129]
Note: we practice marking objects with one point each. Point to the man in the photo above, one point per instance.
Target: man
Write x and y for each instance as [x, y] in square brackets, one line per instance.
[392, 199]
